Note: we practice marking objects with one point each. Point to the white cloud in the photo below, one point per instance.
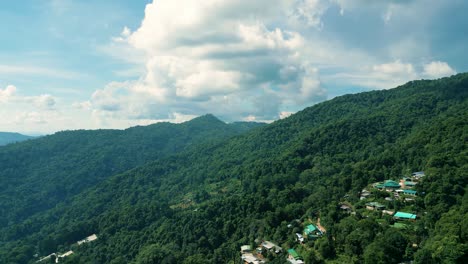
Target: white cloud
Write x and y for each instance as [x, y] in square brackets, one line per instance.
[311, 12]
[27, 113]
[7, 93]
[223, 57]
[253, 60]
[45, 101]
[437, 69]
[285, 114]
[390, 75]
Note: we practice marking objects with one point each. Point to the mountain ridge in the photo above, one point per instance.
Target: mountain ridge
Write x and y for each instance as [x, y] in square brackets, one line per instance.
[204, 203]
[12, 137]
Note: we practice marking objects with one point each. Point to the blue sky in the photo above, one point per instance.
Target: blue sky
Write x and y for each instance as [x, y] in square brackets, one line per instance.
[72, 64]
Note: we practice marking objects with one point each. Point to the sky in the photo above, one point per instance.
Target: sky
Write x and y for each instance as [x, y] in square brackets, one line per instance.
[84, 64]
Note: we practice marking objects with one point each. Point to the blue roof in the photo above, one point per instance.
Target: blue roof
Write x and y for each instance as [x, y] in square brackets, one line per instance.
[404, 215]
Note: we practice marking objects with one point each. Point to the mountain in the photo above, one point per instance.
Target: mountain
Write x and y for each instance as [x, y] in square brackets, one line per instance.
[201, 204]
[36, 175]
[8, 137]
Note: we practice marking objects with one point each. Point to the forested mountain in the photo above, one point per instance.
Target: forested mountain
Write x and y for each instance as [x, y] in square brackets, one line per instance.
[36, 175]
[8, 137]
[201, 204]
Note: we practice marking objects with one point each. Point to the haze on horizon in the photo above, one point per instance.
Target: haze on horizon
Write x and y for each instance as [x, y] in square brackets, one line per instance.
[70, 64]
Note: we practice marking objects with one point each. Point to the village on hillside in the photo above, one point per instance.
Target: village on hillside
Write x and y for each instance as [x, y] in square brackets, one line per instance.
[267, 248]
[56, 257]
[379, 199]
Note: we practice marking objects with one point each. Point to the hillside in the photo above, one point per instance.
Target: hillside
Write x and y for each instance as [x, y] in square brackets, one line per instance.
[36, 175]
[8, 137]
[201, 204]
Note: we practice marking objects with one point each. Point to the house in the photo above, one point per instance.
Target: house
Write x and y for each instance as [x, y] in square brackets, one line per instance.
[294, 257]
[270, 246]
[375, 206]
[388, 185]
[312, 232]
[88, 239]
[249, 258]
[391, 185]
[388, 212]
[364, 194]
[409, 184]
[346, 208]
[418, 175]
[299, 238]
[246, 248]
[404, 216]
[66, 254]
[410, 192]
[47, 257]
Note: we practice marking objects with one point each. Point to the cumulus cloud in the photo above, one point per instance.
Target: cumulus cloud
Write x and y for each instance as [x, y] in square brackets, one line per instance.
[391, 74]
[311, 12]
[254, 60]
[25, 111]
[7, 93]
[45, 101]
[227, 57]
[437, 69]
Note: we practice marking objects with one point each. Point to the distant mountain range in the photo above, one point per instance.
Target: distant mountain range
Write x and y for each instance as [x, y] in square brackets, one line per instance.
[198, 191]
[8, 137]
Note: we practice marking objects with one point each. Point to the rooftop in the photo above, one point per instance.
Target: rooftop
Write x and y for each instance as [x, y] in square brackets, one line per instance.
[391, 184]
[293, 253]
[404, 215]
[412, 192]
[310, 228]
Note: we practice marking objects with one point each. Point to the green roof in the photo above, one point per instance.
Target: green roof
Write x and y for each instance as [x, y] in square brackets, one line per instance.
[409, 183]
[379, 185]
[309, 229]
[294, 254]
[391, 184]
[404, 215]
[413, 192]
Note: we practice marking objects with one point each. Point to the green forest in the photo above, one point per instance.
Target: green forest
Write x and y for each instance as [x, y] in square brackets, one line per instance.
[198, 191]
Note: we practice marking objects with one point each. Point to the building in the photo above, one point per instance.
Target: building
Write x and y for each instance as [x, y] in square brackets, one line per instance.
[418, 175]
[375, 206]
[404, 216]
[270, 246]
[410, 192]
[388, 185]
[409, 184]
[387, 212]
[88, 239]
[246, 248]
[391, 185]
[346, 208]
[294, 257]
[312, 232]
[364, 194]
[299, 238]
[249, 258]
